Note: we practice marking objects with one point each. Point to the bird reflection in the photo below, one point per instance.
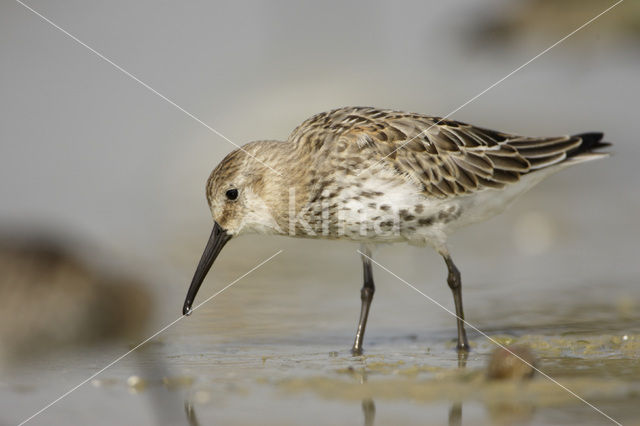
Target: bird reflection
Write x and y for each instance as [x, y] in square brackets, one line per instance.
[190, 412]
[369, 411]
[455, 412]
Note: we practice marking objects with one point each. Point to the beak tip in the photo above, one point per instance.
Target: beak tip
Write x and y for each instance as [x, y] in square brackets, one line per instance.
[186, 309]
[217, 240]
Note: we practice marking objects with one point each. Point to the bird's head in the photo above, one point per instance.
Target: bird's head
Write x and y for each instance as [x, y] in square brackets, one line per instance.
[245, 193]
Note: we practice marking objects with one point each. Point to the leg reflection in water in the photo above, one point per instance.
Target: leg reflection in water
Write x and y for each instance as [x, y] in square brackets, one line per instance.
[455, 412]
[369, 411]
[190, 411]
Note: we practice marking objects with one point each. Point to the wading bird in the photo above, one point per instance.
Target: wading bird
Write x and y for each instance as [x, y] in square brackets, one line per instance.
[379, 176]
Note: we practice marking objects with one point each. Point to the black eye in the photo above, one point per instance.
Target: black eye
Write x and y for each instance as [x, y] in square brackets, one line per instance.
[232, 194]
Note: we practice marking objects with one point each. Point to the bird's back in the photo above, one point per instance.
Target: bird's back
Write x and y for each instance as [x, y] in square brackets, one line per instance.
[445, 158]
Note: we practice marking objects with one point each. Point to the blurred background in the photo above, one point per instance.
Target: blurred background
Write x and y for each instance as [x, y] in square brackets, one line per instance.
[104, 214]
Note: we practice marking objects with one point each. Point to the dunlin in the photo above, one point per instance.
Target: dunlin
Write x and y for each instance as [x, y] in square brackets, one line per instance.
[379, 176]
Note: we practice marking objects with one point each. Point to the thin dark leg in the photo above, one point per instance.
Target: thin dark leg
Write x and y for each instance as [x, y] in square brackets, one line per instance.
[455, 284]
[462, 359]
[366, 295]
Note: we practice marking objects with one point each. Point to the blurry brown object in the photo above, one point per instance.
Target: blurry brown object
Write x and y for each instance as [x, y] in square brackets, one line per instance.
[507, 363]
[50, 299]
[553, 19]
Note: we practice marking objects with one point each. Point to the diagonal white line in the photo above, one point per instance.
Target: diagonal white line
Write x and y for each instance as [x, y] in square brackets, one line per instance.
[496, 83]
[143, 342]
[493, 340]
[145, 85]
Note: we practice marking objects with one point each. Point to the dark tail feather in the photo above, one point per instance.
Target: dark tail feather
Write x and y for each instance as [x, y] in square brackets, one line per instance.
[590, 142]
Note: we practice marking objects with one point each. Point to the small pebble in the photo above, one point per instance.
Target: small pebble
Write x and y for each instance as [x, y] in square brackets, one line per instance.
[99, 383]
[507, 363]
[135, 383]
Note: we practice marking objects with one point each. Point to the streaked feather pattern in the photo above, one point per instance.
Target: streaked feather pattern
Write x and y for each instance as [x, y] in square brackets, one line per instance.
[446, 157]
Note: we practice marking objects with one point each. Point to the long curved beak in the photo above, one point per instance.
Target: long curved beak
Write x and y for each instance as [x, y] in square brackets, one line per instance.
[217, 240]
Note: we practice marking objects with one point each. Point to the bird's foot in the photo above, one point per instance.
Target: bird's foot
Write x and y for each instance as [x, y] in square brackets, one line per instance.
[463, 347]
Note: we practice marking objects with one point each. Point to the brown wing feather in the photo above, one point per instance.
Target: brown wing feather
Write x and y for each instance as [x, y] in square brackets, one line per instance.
[446, 157]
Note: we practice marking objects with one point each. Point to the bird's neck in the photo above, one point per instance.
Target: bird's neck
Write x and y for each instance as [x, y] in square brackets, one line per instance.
[287, 182]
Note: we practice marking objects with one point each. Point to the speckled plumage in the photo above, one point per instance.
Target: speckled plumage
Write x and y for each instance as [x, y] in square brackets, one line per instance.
[377, 176]
[417, 177]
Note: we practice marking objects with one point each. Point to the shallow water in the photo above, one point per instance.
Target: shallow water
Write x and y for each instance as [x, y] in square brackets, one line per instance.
[407, 380]
[92, 155]
[274, 349]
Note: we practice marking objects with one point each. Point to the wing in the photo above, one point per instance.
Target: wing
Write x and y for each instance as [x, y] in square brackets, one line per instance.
[445, 157]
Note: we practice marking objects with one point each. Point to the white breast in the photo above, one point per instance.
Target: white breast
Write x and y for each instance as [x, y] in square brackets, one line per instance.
[386, 208]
